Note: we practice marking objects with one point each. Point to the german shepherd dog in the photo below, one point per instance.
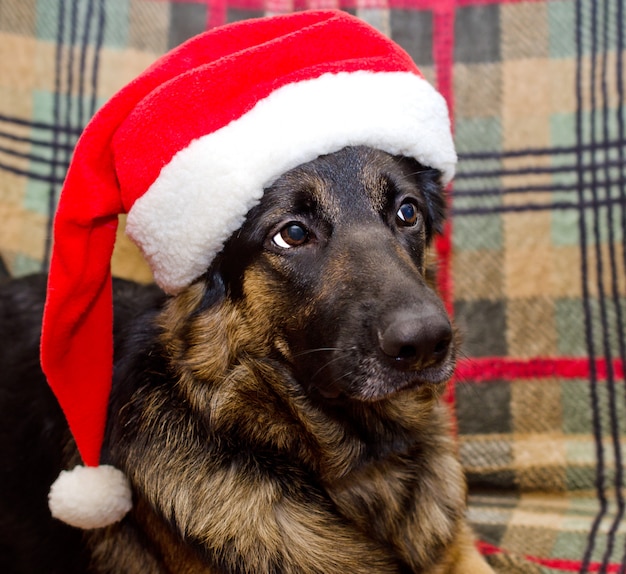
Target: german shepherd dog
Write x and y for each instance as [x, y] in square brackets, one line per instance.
[280, 415]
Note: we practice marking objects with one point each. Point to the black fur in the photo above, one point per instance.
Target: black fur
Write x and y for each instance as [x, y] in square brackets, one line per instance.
[33, 430]
[4, 272]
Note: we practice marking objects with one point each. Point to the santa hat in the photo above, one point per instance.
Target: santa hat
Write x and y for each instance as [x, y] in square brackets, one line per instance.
[186, 150]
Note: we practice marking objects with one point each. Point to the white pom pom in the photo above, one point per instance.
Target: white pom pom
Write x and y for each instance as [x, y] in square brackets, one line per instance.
[90, 496]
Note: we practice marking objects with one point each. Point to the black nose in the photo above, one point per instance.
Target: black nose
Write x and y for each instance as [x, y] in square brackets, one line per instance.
[415, 339]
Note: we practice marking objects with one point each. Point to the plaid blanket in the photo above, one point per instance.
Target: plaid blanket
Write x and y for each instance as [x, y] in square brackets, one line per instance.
[533, 260]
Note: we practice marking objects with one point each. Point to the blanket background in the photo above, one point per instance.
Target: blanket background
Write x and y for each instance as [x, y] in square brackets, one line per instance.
[532, 263]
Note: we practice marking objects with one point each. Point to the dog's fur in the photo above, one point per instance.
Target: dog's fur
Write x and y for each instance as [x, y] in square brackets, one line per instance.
[280, 415]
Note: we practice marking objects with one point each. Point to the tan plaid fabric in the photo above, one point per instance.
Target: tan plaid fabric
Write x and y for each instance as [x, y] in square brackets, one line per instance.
[533, 264]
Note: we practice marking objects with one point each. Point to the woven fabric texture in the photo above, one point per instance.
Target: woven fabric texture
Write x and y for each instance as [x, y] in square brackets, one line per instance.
[532, 264]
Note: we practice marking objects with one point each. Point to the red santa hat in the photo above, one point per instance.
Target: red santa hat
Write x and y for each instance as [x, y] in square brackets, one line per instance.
[186, 150]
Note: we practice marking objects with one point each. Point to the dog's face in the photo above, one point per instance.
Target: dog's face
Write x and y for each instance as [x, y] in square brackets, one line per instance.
[328, 271]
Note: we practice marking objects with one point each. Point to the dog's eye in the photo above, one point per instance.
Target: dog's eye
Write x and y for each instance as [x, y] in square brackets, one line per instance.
[292, 235]
[408, 214]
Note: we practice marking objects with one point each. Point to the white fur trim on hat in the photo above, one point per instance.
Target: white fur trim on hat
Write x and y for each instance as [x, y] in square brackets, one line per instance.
[204, 193]
[90, 497]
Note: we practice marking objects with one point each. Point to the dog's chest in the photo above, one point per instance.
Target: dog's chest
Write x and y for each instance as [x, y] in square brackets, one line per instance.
[408, 503]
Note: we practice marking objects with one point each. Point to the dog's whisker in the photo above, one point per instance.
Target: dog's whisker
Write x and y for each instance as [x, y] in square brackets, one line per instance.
[319, 350]
[324, 366]
[349, 373]
[466, 383]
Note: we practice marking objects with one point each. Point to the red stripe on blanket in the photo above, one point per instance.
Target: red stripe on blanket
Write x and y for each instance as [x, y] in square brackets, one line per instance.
[479, 2]
[493, 368]
[218, 7]
[443, 55]
[556, 563]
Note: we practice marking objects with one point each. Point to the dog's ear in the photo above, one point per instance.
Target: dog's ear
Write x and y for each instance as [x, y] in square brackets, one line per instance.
[224, 277]
[430, 182]
[214, 285]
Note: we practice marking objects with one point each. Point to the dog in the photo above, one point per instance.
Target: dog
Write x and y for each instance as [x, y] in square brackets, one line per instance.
[280, 415]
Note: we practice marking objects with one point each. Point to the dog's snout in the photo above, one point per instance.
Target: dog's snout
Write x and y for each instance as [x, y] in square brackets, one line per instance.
[414, 340]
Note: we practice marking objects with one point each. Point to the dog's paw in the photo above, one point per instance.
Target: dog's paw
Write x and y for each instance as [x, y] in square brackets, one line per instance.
[463, 556]
[472, 565]
[469, 561]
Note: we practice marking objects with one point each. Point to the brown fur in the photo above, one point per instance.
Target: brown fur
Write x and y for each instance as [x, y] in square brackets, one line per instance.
[260, 425]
